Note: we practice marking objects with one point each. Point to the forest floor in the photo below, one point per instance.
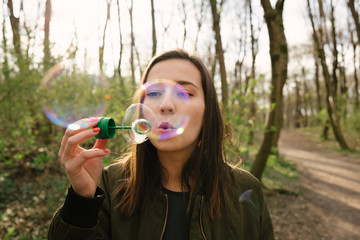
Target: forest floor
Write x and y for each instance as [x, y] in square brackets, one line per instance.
[324, 201]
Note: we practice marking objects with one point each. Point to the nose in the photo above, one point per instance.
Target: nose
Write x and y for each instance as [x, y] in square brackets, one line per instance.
[167, 105]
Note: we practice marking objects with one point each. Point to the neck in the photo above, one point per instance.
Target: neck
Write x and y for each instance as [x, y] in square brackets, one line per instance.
[173, 162]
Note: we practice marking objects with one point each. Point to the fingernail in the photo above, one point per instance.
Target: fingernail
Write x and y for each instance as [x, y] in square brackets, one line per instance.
[96, 129]
[106, 150]
[93, 120]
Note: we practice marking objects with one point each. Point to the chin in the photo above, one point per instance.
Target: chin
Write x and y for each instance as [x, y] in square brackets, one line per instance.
[173, 144]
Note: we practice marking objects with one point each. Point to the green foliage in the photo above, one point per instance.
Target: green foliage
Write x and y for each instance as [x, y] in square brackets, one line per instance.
[244, 122]
[282, 166]
[40, 160]
[10, 233]
[352, 128]
[280, 174]
[32, 182]
[7, 188]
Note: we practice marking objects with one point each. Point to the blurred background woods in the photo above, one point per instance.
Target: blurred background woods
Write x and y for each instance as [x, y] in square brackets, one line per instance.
[276, 64]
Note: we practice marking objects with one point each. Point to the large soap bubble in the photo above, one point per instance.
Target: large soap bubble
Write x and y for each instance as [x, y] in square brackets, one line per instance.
[169, 102]
[139, 120]
[71, 92]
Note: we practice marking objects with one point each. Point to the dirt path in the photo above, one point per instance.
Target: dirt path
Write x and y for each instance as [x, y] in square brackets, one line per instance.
[328, 206]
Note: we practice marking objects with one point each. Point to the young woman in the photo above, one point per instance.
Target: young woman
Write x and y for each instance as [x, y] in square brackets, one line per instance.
[179, 188]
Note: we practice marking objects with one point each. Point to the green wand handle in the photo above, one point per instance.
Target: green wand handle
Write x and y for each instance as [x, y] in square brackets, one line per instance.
[107, 127]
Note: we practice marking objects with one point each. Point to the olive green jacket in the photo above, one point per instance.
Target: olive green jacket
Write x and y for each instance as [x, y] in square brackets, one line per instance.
[247, 215]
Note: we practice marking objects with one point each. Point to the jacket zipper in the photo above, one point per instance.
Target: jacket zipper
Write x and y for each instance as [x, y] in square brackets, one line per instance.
[201, 222]
[166, 216]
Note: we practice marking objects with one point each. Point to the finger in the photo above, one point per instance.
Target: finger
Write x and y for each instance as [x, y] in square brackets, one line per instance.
[73, 142]
[71, 130]
[100, 143]
[74, 166]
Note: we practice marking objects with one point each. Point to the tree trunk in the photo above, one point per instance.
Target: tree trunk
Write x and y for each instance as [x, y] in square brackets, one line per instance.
[118, 70]
[317, 84]
[132, 47]
[356, 79]
[252, 77]
[183, 6]
[121, 42]
[102, 47]
[219, 52]
[279, 62]
[323, 20]
[5, 69]
[47, 53]
[355, 15]
[325, 131]
[330, 101]
[307, 100]
[199, 20]
[298, 115]
[153, 29]
[335, 65]
[15, 27]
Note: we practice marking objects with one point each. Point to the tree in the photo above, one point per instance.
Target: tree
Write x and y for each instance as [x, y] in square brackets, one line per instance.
[333, 116]
[279, 62]
[356, 79]
[102, 46]
[219, 50]
[354, 43]
[15, 27]
[199, 20]
[335, 64]
[254, 50]
[47, 52]
[132, 46]
[153, 28]
[242, 51]
[355, 15]
[184, 19]
[118, 68]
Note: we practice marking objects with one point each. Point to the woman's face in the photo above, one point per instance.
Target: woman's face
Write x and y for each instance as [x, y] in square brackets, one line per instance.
[188, 76]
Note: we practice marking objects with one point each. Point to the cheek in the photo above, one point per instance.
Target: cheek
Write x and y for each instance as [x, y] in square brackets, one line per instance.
[197, 116]
[149, 104]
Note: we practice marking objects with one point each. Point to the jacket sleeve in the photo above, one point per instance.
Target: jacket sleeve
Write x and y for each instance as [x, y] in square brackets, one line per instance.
[78, 217]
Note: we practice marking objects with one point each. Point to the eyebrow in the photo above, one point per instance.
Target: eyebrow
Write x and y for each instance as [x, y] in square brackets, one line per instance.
[183, 82]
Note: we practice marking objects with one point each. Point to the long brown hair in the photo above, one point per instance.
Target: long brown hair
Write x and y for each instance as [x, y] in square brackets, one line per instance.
[206, 171]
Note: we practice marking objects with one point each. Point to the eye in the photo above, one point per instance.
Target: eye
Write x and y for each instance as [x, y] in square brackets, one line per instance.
[154, 94]
[184, 94]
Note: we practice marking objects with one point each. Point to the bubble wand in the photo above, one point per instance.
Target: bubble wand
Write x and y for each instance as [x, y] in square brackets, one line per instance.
[108, 127]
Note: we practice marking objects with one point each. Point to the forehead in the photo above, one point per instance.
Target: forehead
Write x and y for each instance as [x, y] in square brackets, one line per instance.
[177, 70]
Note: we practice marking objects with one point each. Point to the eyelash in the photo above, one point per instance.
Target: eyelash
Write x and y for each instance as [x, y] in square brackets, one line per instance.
[188, 93]
[152, 94]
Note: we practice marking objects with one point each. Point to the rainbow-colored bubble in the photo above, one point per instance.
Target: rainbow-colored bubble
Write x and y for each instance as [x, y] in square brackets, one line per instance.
[71, 92]
[168, 102]
[141, 119]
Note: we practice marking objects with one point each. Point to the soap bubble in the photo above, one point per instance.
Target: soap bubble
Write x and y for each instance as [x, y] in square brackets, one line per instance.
[161, 113]
[141, 119]
[168, 100]
[71, 92]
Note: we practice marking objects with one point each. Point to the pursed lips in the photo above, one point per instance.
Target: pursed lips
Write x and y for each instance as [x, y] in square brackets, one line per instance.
[165, 126]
